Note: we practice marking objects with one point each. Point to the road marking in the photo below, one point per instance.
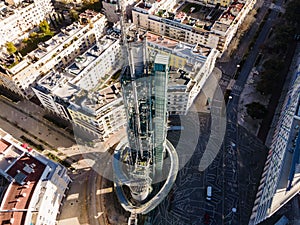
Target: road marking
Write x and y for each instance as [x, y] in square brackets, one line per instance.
[236, 87]
[73, 196]
[104, 191]
[98, 215]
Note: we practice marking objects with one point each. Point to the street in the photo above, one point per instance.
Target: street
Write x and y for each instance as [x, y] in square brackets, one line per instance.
[25, 118]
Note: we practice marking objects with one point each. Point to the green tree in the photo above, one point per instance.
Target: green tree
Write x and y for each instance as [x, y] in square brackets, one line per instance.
[11, 48]
[33, 35]
[45, 27]
[256, 110]
[292, 11]
[74, 15]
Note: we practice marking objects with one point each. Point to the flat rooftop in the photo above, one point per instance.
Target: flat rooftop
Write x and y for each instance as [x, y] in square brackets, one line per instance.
[194, 52]
[199, 15]
[60, 38]
[8, 10]
[26, 173]
[178, 78]
[98, 99]
[58, 84]
[194, 16]
[82, 62]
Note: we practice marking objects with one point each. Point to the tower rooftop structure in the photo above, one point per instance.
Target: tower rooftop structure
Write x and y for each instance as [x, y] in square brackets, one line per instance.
[139, 159]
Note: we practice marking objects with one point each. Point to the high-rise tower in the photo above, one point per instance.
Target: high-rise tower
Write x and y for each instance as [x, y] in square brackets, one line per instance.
[144, 86]
[139, 160]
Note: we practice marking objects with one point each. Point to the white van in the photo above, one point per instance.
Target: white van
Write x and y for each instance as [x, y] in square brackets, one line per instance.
[208, 192]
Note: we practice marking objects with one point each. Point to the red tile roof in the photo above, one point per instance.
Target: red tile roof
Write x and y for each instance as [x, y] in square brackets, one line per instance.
[19, 196]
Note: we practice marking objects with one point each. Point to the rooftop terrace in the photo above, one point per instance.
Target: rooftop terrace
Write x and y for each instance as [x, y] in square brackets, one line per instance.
[200, 17]
[231, 12]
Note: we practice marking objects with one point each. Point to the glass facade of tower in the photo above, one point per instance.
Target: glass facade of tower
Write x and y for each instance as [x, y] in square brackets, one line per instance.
[160, 72]
[139, 160]
[144, 86]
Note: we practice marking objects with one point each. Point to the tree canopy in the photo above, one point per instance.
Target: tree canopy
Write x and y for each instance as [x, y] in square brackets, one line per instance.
[256, 110]
[45, 27]
[74, 14]
[11, 48]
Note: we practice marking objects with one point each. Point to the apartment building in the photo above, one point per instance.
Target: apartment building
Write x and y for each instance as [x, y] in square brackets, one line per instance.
[280, 180]
[18, 17]
[55, 53]
[78, 94]
[66, 93]
[193, 22]
[92, 68]
[190, 64]
[100, 113]
[35, 185]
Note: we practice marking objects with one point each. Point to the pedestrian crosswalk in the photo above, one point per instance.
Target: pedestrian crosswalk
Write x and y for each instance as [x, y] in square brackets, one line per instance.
[237, 88]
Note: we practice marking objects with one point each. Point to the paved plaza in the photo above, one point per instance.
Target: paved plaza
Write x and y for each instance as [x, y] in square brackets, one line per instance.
[233, 174]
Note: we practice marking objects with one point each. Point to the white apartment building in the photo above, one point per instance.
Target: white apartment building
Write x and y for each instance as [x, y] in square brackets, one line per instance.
[54, 91]
[35, 184]
[92, 68]
[18, 17]
[55, 53]
[195, 64]
[100, 113]
[213, 27]
[59, 91]
[280, 180]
